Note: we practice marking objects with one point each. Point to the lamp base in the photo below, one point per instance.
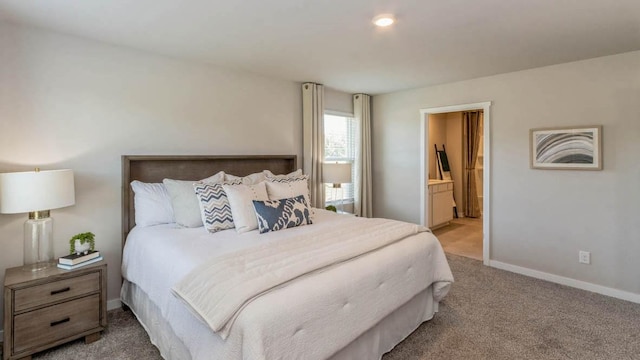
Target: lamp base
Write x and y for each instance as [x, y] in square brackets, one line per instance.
[37, 266]
[38, 242]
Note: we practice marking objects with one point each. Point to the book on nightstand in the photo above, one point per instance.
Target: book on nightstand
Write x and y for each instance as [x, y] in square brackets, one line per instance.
[74, 259]
[71, 267]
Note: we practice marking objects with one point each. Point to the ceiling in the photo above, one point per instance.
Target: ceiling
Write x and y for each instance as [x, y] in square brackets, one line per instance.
[333, 42]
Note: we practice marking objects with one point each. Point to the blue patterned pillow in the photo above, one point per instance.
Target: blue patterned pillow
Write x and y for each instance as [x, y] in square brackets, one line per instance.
[274, 215]
[214, 205]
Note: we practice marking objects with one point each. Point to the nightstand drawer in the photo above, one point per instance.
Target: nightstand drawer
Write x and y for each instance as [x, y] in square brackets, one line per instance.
[56, 291]
[55, 322]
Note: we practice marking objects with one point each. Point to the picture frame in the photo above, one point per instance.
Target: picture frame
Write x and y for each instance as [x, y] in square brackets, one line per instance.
[566, 148]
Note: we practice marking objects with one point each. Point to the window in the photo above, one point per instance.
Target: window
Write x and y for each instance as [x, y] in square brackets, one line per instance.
[340, 146]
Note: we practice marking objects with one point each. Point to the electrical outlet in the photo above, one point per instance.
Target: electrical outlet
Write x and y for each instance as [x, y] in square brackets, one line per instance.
[584, 257]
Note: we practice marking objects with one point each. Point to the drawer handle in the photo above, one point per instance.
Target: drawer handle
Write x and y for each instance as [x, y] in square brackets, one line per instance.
[54, 323]
[60, 291]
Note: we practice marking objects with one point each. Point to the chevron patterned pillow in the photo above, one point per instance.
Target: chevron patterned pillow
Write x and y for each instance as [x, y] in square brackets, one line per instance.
[214, 205]
[274, 215]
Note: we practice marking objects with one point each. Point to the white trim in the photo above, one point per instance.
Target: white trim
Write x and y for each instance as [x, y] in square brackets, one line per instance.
[486, 167]
[486, 184]
[113, 304]
[583, 285]
[424, 167]
[456, 108]
[339, 113]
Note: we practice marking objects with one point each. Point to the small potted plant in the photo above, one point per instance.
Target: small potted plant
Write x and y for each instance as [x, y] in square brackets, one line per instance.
[82, 243]
[331, 208]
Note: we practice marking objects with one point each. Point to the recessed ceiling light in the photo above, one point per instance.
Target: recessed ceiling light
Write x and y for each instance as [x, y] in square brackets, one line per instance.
[384, 20]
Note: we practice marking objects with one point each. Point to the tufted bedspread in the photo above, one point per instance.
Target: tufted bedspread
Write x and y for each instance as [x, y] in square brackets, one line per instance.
[313, 315]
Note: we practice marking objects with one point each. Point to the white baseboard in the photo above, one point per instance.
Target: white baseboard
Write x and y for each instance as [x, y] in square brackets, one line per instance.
[113, 304]
[583, 285]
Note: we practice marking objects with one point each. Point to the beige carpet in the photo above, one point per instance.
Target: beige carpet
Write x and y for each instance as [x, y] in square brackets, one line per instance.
[462, 237]
[489, 314]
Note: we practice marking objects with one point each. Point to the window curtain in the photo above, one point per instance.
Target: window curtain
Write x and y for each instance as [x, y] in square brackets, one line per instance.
[313, 140]
[362, 182]
[472, 127]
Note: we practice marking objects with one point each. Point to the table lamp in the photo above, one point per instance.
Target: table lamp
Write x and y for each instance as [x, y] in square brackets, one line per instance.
[37, 192]
[337, 174]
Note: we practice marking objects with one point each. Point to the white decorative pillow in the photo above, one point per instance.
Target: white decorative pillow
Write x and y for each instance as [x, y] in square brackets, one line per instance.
[214, 205]
[274, 215]
[241, 201]
[250, 179]
[185, 203]
[294, 178]
[288, 189]
[269, 175]
[152, 204]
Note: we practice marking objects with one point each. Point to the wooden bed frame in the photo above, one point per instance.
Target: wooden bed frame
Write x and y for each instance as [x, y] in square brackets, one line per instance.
[155, 168]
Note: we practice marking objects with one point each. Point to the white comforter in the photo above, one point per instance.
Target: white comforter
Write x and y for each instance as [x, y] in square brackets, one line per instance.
[313, 316]
[218, 289]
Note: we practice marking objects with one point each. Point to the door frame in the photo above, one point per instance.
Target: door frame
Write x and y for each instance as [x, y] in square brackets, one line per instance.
[486, 168]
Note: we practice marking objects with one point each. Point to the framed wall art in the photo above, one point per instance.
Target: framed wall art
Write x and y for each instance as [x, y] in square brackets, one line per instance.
[567, 148]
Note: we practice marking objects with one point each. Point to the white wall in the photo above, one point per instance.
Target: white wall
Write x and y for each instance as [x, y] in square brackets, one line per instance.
[540, 219]
[70, 103]
[446, 129]
[437, 136]
[455, 155]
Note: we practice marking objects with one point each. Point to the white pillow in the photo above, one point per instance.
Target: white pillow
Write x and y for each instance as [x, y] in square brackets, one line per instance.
[269, 175]
[152, 204]
[290, 189]
[185, 203]
[293, 177]
[241, 201]
[247, 180]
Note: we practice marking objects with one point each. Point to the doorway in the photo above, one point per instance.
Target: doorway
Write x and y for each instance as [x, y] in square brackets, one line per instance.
[460, 232]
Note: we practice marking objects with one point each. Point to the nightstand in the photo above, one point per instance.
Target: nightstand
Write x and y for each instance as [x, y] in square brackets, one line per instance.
[50, 307]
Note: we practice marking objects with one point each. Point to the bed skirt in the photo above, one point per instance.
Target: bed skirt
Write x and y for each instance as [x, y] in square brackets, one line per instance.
[372, 344]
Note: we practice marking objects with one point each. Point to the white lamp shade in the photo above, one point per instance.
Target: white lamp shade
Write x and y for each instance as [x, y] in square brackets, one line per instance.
[29, 191]
[336, 173]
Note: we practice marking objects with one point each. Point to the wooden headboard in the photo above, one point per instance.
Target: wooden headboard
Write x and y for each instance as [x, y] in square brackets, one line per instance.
[154, 168]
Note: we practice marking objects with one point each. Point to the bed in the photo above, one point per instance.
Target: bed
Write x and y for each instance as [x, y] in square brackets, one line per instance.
[354, 308]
